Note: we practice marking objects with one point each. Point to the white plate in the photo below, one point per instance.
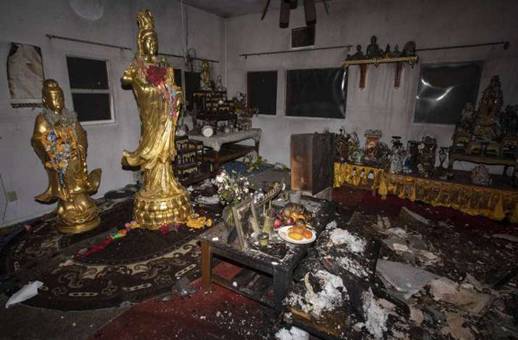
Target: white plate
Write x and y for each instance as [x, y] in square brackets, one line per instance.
[283, 233]
[207, 131]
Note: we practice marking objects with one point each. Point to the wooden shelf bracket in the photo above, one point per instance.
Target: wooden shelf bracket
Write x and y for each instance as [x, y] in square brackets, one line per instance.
[363, 63]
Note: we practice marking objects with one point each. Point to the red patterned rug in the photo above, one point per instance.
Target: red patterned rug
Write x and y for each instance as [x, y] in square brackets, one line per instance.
[218, 314]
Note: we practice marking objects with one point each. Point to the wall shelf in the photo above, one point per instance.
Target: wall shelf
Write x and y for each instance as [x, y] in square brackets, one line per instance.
[399, 61]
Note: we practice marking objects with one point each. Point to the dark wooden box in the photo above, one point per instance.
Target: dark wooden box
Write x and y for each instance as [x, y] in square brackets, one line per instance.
[312, 162]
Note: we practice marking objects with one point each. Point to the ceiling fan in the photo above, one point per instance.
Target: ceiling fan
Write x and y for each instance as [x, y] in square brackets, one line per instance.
[288, 5]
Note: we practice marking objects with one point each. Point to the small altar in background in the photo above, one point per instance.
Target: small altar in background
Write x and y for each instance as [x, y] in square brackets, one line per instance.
[496, 203]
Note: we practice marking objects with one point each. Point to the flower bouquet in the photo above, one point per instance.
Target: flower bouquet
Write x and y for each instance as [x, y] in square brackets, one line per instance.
[231, 187]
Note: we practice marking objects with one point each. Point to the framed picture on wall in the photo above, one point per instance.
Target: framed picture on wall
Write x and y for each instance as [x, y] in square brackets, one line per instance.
[25, 75]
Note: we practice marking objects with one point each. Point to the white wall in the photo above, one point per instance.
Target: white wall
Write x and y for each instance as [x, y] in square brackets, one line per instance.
[28, 21]
[429, 23]
[379, 105]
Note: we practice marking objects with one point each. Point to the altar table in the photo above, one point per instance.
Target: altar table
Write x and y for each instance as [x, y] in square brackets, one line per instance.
[494, 203]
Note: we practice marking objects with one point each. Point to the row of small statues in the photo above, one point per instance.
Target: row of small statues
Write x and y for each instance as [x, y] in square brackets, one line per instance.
[374, 51]
[418, 158]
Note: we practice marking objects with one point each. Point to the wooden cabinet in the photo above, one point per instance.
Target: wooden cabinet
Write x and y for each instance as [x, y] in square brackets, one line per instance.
[190, 165]
[312, 162]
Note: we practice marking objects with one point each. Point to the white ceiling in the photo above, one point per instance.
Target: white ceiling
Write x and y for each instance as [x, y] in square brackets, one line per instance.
[231, 8]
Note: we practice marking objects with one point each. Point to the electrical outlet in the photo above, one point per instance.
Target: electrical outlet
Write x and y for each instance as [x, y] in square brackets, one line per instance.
[11, 196]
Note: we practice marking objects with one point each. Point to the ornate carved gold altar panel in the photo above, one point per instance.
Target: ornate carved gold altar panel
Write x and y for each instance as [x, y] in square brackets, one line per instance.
[470, 199]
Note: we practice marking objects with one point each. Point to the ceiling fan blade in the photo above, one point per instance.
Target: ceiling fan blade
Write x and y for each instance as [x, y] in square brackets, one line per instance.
[310, 11]
[265, 9]
[284, 18]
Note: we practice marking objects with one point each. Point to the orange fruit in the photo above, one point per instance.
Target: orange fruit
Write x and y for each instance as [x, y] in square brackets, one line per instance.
[295, 236]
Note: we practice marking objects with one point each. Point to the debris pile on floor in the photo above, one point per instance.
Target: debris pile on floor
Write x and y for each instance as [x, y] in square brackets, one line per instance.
[328, 294]
[293, 333]
[407, 277]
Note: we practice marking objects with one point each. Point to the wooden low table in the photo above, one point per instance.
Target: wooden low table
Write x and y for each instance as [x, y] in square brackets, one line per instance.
[213, 244]
[279, 267]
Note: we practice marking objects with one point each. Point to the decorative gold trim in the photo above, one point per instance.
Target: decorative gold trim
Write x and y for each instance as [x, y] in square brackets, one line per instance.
[78, 228]
[377, 61]
[152, 213]
[473, 200]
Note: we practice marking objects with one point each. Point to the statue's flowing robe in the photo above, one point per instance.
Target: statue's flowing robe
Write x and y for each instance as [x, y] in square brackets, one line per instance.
[156, 149]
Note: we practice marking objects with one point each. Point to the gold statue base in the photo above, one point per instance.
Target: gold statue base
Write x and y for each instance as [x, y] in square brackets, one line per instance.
[78, 228]
[77, 215]
[154, 212]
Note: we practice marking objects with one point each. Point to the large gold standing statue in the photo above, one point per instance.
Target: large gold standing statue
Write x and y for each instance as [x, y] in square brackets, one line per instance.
[161, 200]
[61, 144]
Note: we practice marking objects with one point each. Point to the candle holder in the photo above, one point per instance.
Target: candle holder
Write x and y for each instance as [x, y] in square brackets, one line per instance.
[269, 218]
[263, 239]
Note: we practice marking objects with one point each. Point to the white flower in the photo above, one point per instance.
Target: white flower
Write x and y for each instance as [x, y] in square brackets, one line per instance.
[221, 177]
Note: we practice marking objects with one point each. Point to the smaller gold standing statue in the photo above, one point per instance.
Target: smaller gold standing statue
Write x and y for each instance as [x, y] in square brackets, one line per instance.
[161, 200]
[205, 76]
[61, 144]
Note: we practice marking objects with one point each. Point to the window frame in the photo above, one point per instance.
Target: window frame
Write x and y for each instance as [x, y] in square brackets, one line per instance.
[108, 91]
[444, 63]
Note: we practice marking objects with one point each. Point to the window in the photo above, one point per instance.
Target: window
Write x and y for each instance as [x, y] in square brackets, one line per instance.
[444, 89]
[90, 89]
[262, 91]
[316, 93]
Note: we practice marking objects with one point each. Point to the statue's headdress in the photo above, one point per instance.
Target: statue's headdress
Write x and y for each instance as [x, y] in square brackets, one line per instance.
[146, 27]
[50, 85]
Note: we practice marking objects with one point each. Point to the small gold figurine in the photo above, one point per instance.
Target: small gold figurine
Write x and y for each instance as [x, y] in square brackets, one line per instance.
[61, 144]
[205, 76]
[161, 200]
